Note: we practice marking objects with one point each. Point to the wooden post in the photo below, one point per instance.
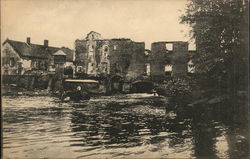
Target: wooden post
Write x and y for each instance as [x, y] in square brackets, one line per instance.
[32, 82]
[49, 83]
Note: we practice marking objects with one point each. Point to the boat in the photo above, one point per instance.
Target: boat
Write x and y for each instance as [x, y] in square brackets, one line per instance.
[79, 89]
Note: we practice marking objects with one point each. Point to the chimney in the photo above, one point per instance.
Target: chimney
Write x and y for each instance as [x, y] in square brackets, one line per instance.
[28, 40]
[46, 43]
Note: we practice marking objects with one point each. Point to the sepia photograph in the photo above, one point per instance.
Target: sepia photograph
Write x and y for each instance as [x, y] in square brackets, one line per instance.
[130, 79]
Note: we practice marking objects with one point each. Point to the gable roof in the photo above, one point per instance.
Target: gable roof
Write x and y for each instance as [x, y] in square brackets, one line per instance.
[37, 51]
[60, 52]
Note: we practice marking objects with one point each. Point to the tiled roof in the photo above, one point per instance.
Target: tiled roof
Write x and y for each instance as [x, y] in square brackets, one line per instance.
[37, 51]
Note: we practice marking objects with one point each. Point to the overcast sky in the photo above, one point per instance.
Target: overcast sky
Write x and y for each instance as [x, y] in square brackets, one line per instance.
[64, 21]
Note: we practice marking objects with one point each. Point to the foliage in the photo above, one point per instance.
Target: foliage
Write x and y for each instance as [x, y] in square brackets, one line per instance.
[220, 29]
[178, 87]
[68, 71]
[179, 91]
[174, 87]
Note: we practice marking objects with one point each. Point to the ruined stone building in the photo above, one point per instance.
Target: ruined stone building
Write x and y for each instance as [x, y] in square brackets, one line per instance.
[170, 58]
[96, 56]
[123, 57]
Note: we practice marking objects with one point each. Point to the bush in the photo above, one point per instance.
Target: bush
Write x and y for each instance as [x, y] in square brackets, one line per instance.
[178, 89]
[175, 87]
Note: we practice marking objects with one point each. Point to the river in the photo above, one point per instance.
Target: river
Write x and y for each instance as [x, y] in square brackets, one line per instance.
[124, 126]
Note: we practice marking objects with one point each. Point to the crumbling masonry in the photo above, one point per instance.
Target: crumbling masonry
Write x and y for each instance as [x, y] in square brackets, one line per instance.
[96, 56]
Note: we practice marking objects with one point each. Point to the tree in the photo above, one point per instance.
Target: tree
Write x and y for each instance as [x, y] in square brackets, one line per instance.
[220, 29]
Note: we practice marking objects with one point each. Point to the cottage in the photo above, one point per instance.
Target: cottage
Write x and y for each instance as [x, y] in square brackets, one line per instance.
[20, 57]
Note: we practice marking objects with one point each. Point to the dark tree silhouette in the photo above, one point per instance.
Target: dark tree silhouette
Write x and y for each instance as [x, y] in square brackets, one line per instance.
[220, 29]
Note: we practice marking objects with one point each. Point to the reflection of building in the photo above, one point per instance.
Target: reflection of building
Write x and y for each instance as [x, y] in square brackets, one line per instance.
[96, 56]
[18, 57]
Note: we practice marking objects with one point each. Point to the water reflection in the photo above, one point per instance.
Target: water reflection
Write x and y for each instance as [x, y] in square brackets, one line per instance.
[108, 127]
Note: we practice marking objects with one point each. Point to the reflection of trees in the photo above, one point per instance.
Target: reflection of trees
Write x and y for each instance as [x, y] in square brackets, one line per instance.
[205, 133]
[105, 129]
[175, 126]
[238, 146]
[204, 138]
[178, 126]
[123, 131]
[114, 129]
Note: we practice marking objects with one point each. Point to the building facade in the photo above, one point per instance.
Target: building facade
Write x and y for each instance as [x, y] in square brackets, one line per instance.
[170, 58]
[97, 56]
[20, 57]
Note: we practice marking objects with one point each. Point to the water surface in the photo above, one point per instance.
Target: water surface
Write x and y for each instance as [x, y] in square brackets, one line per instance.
[107, 127]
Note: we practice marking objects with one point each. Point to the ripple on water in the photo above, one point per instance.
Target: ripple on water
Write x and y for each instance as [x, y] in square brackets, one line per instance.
[44, 127]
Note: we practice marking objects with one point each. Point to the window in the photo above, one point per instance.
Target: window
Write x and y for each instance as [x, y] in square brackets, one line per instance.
[90, 68]
[106, 48]
[168, 68]
[12, 62]
[52, 68]
[191, 67]
[79, 69]
[169, 47]
[146, 52]
[104, 67]
[34, 64]
[115, 47]
[148, 69]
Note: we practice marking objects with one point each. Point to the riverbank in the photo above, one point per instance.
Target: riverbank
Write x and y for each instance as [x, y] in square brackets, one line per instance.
[28, 93]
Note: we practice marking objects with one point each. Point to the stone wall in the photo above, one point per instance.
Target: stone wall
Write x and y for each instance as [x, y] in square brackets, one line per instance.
[26, 81]
[179, 58]
[138, 61]
[158, 58]
[120, 57]
[127, 59]
[81, 56]
[161, 56]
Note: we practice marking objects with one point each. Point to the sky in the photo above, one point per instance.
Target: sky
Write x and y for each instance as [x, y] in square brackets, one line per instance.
[63, 21]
